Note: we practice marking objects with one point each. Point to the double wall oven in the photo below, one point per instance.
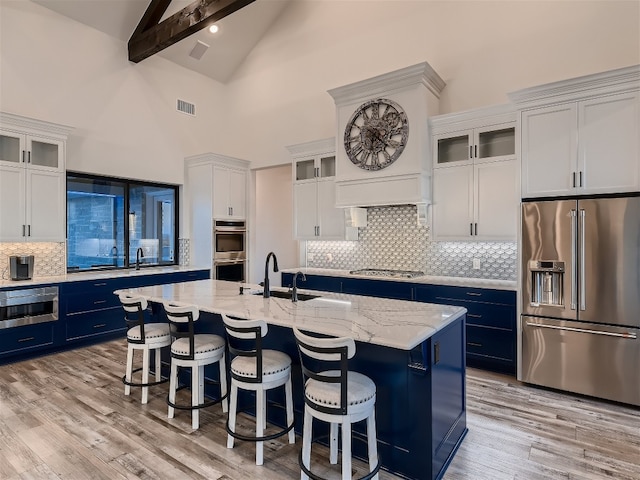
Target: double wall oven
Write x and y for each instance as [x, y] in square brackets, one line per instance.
[229, 250]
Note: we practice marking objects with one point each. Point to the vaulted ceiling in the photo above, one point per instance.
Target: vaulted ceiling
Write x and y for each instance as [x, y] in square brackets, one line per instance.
[238, 32]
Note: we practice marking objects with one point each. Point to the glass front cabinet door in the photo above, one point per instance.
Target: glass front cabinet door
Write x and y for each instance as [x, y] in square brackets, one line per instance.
[30, 150]
[495, 142]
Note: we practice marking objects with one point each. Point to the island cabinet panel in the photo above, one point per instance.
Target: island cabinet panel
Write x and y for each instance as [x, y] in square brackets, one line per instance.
[491, 323]
[420, 397]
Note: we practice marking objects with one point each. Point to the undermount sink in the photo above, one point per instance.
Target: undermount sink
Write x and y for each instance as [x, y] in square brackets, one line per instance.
[279, 294]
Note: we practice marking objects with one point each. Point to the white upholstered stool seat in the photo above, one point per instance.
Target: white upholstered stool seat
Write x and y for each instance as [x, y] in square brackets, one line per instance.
[337, 396]
[195, 351]
[145, 337]
[256, 369]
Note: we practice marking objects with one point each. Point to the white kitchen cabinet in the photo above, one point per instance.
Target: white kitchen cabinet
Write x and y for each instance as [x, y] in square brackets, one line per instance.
[476, 202]
[581, 136]
[475, 175]
[215, 187]
[229, 192]
[315, 214]
[591, 146]
[32, 180]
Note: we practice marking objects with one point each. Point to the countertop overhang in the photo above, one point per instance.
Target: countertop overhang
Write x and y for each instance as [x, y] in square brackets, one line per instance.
[392, 323]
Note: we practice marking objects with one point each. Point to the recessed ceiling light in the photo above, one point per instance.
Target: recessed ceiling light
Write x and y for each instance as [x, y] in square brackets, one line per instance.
[213, 28]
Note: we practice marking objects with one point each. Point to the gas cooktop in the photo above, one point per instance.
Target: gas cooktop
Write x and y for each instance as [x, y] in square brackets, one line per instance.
[378, 272]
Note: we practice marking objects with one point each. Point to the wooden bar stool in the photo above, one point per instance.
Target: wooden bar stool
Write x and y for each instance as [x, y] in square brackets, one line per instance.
[337, 396]
[259, 370]
[195, 351]
[145, 337]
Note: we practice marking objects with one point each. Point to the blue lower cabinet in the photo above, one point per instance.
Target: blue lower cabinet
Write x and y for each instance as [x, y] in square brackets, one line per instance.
[88, 313]
[491, 314]
[98, 323]
[314, 282]
[26, 339]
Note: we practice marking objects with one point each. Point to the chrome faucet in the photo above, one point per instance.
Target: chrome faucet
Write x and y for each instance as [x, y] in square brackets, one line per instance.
[139, 255]
[294, 290]
[267, 293]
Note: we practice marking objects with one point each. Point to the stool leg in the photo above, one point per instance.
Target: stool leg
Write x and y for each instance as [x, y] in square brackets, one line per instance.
[333, 443]
[173, 385]
[289, 400]
[261, 413]
[157, 365]
[307, 428]
[223, 383]
[233, 403]
[372, 442]
[195, 396]
[145, 373]
[129, 369]
[346, 451]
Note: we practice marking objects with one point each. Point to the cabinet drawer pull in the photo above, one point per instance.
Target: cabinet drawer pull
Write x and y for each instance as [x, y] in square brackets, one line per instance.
[470, 151]
[27, 339]
[471, 229]
[476, 151]
[100, 325]
[473, 294]
[473, 344]
[472, 315]
[98, 302]
[99, 284]
[573, 174]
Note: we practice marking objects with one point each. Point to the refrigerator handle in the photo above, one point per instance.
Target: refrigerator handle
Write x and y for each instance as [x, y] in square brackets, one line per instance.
[629, 335]
[583, 277]
[574, 272]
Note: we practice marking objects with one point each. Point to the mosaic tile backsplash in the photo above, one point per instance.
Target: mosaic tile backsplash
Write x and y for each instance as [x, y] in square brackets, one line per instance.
[49, 258]
[393, 239]
[183, 251]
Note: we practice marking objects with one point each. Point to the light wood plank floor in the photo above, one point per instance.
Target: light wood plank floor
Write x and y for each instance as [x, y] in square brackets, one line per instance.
[65, 416]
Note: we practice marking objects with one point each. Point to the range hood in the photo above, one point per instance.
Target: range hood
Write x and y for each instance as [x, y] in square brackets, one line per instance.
[415, 91]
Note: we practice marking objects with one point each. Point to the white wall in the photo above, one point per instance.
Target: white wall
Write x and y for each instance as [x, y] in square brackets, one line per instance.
[273, 223]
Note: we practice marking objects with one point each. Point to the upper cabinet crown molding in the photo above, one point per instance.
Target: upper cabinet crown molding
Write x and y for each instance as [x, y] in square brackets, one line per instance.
[217, 158]
[407, 77]
[10, 120]
[605, 83]
[467, 119]
[312, 148]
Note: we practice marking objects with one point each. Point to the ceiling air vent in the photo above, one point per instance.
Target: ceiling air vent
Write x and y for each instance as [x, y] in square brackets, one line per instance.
[186, 107]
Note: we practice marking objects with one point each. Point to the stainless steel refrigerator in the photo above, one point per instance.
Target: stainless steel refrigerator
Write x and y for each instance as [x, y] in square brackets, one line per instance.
[581, 296]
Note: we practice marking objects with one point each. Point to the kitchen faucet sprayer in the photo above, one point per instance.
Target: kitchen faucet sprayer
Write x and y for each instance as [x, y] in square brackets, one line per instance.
[266, 293]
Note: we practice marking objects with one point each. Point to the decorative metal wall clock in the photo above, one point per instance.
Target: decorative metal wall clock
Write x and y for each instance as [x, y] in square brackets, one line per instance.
[376, 134]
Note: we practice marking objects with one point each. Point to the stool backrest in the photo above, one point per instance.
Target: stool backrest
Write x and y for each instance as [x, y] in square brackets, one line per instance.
[244, 338]
[182, 319]
[321, 359]
[134, 308]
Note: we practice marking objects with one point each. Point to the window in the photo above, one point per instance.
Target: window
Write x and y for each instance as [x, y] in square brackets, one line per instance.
[111, 220]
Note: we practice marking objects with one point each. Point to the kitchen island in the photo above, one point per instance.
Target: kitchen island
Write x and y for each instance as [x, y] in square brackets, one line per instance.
[414, 352]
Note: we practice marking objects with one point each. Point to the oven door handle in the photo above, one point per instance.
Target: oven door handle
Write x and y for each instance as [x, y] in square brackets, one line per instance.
[228, 262]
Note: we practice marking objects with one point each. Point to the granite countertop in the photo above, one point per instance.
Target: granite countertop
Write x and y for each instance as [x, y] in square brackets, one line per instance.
[391, 323]
[426, 279]
[97, 275]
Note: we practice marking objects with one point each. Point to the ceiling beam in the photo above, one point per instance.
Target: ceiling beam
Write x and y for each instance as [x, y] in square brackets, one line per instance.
[150, 37]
